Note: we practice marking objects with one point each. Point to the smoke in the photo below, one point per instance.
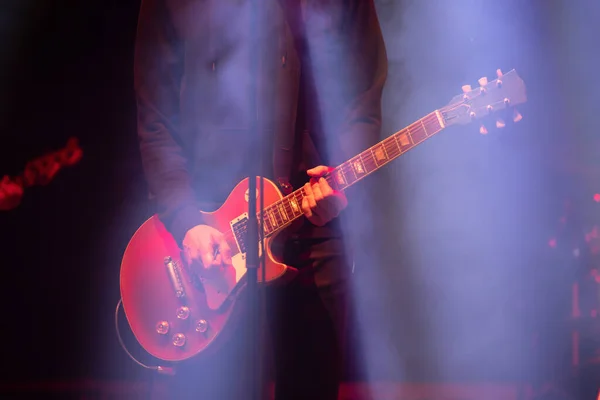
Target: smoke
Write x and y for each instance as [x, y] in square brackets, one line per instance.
[462, 224]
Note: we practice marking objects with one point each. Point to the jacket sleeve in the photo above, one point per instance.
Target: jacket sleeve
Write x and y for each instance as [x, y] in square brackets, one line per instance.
[349, 67]
[366, 58]
[158, 66]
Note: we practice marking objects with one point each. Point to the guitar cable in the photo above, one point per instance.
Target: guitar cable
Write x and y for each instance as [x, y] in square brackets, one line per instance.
[158, 368]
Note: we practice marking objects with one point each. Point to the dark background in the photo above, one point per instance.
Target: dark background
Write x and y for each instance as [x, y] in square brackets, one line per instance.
[66, 70]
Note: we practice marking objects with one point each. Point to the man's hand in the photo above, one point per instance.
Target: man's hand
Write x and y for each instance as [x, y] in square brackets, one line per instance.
[321, 203]
[207, 247]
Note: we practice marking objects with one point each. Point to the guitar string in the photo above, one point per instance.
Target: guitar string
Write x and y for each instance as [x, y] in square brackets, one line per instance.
[346, 167]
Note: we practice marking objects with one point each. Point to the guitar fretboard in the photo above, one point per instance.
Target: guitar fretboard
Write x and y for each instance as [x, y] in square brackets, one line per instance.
[283, 212]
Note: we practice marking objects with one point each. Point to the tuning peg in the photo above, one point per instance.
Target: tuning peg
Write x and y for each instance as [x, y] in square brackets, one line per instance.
[483, 130]
[517, 116]
[482, 81]
[499, 80]
[500, 123]
[466, 88]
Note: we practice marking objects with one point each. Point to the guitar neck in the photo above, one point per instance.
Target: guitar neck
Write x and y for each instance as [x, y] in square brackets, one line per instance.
[283, 212]
[390, 148]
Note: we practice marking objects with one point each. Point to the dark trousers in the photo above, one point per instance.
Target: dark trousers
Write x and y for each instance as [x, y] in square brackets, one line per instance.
[304, 339]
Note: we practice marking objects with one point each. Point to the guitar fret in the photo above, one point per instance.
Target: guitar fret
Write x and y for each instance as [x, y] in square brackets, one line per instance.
[365, 163]
[358, 167]
[281, 209]
[280, 219]
[387, 156]
[286, 207]
[294, 205]
[390, 149]
[294, 208]
[267, 220]
[346, 176]
[416, 134]
[273, 217]
[397, 145]
[301, 199]
[404, 140]
[397, 141]
[267, 224]
[299, 196]
[350, 164]
[433, 125]
[380, 156]
[340, 179]
[409, 135]
[424, 128]
[370, 162]
[373, 157]
[350, 178]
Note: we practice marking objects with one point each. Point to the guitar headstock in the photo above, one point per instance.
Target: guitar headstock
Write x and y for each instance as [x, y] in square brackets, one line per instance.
[504, 92]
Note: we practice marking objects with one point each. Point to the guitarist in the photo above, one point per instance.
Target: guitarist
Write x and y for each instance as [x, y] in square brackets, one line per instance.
[322, 68]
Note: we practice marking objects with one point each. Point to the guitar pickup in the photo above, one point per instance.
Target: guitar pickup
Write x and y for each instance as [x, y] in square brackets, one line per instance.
[174, 277]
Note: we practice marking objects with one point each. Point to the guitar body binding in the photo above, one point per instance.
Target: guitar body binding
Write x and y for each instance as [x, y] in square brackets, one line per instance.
[176, 311]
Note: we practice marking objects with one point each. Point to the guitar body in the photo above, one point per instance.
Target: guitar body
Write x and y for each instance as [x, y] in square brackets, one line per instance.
[177, 312]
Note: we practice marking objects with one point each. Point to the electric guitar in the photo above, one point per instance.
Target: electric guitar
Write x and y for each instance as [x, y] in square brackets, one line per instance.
[176, 313]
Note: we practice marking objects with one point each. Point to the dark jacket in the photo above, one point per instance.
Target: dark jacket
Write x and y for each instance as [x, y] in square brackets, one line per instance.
[321, 70]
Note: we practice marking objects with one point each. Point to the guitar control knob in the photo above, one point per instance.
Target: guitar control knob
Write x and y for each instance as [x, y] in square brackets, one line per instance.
[183, 312]
[201, 326]
[178, 339]
[162, 327]
[517, 116]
